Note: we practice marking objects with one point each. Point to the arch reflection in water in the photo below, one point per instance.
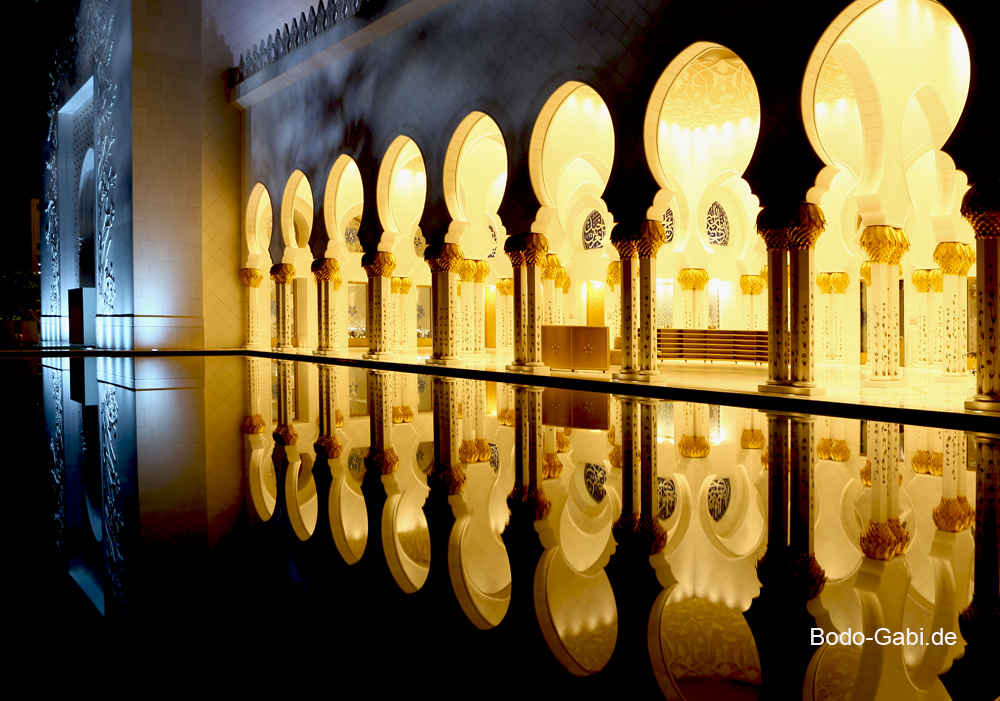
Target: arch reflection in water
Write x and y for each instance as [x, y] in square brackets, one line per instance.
[836, 538]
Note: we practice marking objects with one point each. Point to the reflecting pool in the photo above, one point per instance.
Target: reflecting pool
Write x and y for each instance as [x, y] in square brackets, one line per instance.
[464, 534]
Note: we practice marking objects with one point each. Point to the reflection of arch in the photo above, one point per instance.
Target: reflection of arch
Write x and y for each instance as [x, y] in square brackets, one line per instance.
[257, 225]
[348, 515]
[695, 641]
[301, 498]
[296, 211]
[474, 179]
[401, 192]
[343, 202]
[577, 613]
[263, 483]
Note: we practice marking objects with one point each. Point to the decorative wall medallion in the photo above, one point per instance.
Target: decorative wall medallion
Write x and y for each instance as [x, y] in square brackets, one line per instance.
[493, 233]
[668, 224]
[593, 230]
[666, 493]
[356, 463]
[719, 493]
[419, 243]
[351, 236]
[594, 477]
[717, 225]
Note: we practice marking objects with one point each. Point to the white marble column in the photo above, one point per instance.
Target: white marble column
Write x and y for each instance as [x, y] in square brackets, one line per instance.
[479, 307]
[629, 305]
[751, 287]
[467, 302]
[283, 274]
[934, 317]
[328, 281]
[980, 208]
[549, 272]
[955, 260]
[614, 301]
[527, 254]
[885, 247]
[505, 314]
[802, 321]
[824, 333]
[884, 537]
[407, 328]
[922, 282]
[395, 334]
[651, 238]
[838, 304]
[693, 298]
[251, 278]
[378, 267]
[445, 261]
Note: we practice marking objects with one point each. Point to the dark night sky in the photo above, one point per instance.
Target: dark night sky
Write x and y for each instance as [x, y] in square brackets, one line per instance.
[42, 27]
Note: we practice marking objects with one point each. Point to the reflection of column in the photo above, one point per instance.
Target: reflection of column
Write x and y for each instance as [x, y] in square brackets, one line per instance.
[981, 208]
[885, 247]
[479, 306]
[283, 274]
[934, 316]
[802, 491]
[626, 247]
[954, 513]
[407, 337]
[840, 282]
[251, 278]
[253, 422]
[380, 390]
[631, 455]
[327, 442]
[505, 314]
[790, 240]
[328, 281]
[823, 306]
[549, 272]
[979, 620]
[445, 261]
[378, 267]
[528, 450]
[955, 259]
[922, 282]
[527, 253]
[884, 537]
[651, 238]
[615, 278]
[467, 451]
[284, 432]
[447, 395]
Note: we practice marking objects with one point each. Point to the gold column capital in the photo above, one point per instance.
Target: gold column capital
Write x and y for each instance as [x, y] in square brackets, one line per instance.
[981, 208]
[866, 273]
[954, 515]
[385, 460]
[651, 238]
[840, 282]
[884, 244]
[824, 449]
[251, 277]
[839, 452]
[763, 276]
[467, 273]
[482, 271]
[693, 447]
[550, 269]
[328, 445]
[752, 439]
[614, 274]
[468, 452]
[285, 434]
[627, 248]
[526, 249]
[505, 286]
[825, 283]
[378, 264]
[954, 257]
[884, 540]
[282, 273]
[937, 280]
[394, 285]
[252, 424]
[921, 280]
[405, 285]
[801, 230]
[444, 258]
[692, 278]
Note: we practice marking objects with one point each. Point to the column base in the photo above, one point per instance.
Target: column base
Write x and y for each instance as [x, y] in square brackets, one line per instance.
[956, 377]
[980, 403]
[447, 361]
[644, 376]
[285, 349]
[884, 382]
[378, 355]
[329, 352]
[806, 389]
[528, 369]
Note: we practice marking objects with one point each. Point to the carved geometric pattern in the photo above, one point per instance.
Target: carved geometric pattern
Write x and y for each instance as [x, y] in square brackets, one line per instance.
[493, 233]
[593, 230]
[666, 498]
[594, 477]
[356, 463]
[719, 493]
[712, 89]
[717, 225]
[495, 457]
